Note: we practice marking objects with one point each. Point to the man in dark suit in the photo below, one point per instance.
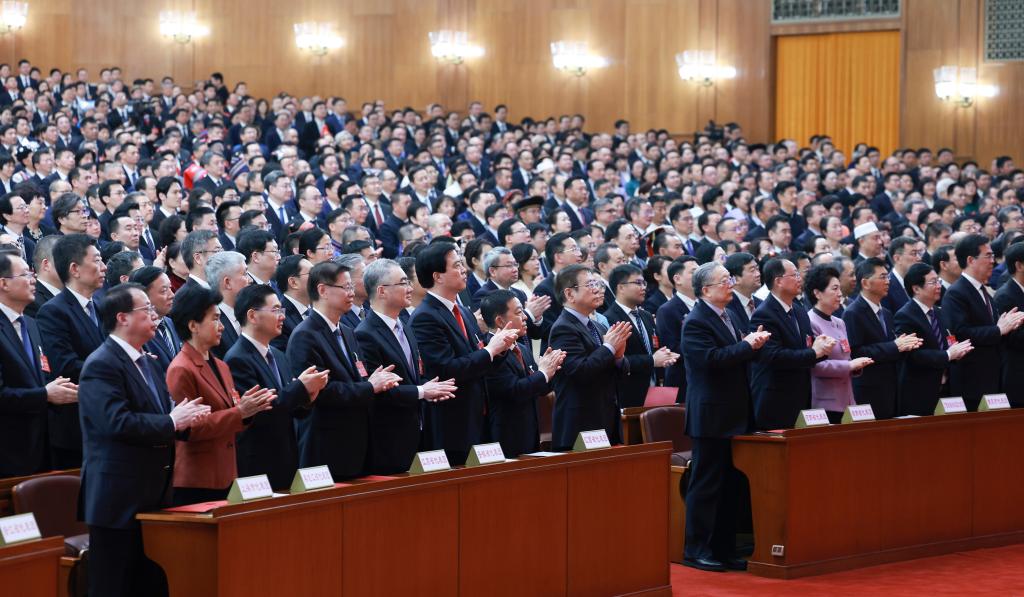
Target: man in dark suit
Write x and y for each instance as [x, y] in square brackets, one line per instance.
[514, 388]
[968, 314]
[585, 392]
[718, 401]
[225, 273]
[70, 332]
[129, 425]
[923, 374]
[560, 252]
[743, 269]
[396, 418]
[1009, 297]
[291, 275]
[319, 126]
[670, 319]
[872, 333]
[24, 393]
[502, 272]
[336, 432]
[46, 275]
[268, 445]
[279, 210]
[400, 201]
[781, 376]
[646, 358]
[452, 347]
[165, 343]
[904, 253]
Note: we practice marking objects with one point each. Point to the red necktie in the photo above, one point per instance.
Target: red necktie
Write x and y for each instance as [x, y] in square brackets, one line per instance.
[377, 215]
[519, 355]
[458, 318]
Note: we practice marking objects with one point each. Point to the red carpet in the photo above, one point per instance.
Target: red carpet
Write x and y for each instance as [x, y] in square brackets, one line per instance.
[998, 571]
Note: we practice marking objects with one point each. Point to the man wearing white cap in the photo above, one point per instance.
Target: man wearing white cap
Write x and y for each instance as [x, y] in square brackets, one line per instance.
[869, 242]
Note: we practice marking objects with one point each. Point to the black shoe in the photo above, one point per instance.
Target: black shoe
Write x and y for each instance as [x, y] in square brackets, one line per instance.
[735, 564]
[708, 564]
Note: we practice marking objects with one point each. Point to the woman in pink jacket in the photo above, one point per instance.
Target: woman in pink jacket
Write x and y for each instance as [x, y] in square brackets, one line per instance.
[831, 388]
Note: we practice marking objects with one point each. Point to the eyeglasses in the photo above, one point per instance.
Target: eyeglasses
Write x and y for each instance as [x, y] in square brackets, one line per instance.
[592, 285]
[272, 310]
[345, 287]
[794, 275]
[150, 308]
[272, 251]
[26, 275]
[513, 265]
[407, 283]
[730, 281]
[640, 283]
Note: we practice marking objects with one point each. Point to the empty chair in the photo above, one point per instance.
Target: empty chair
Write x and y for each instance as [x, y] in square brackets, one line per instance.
[668, 424]
[54, 502]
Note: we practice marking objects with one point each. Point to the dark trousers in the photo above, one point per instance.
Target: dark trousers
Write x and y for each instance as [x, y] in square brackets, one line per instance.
[712, 500]
[118, 566]
[65, 458]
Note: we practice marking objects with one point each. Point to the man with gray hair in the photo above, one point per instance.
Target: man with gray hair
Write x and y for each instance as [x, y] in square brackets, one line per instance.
[718, 403]
[196, 250]
[225, 272]
[385, 341]
[360, 306]
[502, 272]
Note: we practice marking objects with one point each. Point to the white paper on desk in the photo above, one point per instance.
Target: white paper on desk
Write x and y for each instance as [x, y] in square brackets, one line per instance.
[543, 454]
[909, 417]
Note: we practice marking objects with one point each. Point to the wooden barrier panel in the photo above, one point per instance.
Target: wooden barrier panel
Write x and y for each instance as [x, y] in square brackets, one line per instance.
[572, 524]
[846, 496]
[30, 569]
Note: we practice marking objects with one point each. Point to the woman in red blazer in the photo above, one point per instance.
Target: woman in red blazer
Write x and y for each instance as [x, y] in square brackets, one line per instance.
[204, 465]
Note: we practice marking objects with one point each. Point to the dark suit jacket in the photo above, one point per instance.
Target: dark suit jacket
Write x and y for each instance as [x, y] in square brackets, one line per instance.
[68, 337]
[279, 228]
[395, 416]
[227, 338]
[209, 184]
[129, 440]
[23, 406]
[670, 333]
[632, 387]
[389, 235]
[876, 385]
[920, 373]
[268, 445]
[42, 296]
[781, 375]
[966, 316]
[585, 395]
[292, 318]
[547, 288]
[158, 347]
[336, 432]
[718, 399]
[536, 331]
[738, 314]
[897, 296]
[1008, 297]
[456, 424]
[512, 393]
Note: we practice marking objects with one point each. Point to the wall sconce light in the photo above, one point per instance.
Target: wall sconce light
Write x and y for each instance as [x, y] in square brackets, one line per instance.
[962, 89]
[13, 16]
[182, 27]
[574, 58]
[699, 67]
[317, 38]
[453, 47]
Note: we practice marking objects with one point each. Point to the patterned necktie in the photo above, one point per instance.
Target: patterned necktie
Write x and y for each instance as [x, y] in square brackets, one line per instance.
[519, 356]
[728, 324]
[936, 330]
[635, 314]
[143, 363]
[593, 331]
[404, 343]
[25, 341]
[168, 340]
[91, 308]
[273, 368]
[881, 322]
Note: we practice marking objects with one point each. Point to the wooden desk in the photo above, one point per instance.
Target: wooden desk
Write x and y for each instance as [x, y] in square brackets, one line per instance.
[575, 524]
[30, 569]
[847, 496]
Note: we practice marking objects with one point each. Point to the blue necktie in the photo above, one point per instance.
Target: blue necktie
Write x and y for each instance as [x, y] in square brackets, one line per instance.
[280, 214]
[273, 368]
[25, 341]
[143, 363]
[91, 306]
[404, 343]
[881, 322]
[593, 331]
[635, 313]
[936, 330]
[346, 357]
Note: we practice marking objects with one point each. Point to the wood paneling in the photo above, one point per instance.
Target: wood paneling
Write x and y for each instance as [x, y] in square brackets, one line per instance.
[387, 53]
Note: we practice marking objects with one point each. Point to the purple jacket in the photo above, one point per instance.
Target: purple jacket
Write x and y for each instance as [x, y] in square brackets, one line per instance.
[830, 379]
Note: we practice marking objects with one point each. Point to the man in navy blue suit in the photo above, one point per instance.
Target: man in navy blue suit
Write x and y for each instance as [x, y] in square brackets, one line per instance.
[452, 347]
[743, 268]
[670, 319]
[904, 252]
[560, 252]
[872, 333]
[166, 343]
[969, 314]
[1011, 296]
[585, 391]
[268, 445]
[336, 432]
[70, 331]
[396, 418]
[924, 372]
[502, 272]
[129, 426]
[24, 392]
[781, 376]
[514, 388]
[718, 403]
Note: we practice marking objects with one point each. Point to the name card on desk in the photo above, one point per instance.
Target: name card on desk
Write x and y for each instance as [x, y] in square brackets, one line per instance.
[429, 462]
[857, 413]
[994, 402]
[18, 528]
[812, 417]
[314, 477]
[250, 488]
[591, 440]
[485, 454]
[948, 406]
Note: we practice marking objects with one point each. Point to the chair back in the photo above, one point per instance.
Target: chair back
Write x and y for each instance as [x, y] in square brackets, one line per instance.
[666, 424]
[53, 500]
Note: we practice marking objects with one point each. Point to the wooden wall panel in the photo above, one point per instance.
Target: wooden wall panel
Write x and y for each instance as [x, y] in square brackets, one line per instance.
[387, 53]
